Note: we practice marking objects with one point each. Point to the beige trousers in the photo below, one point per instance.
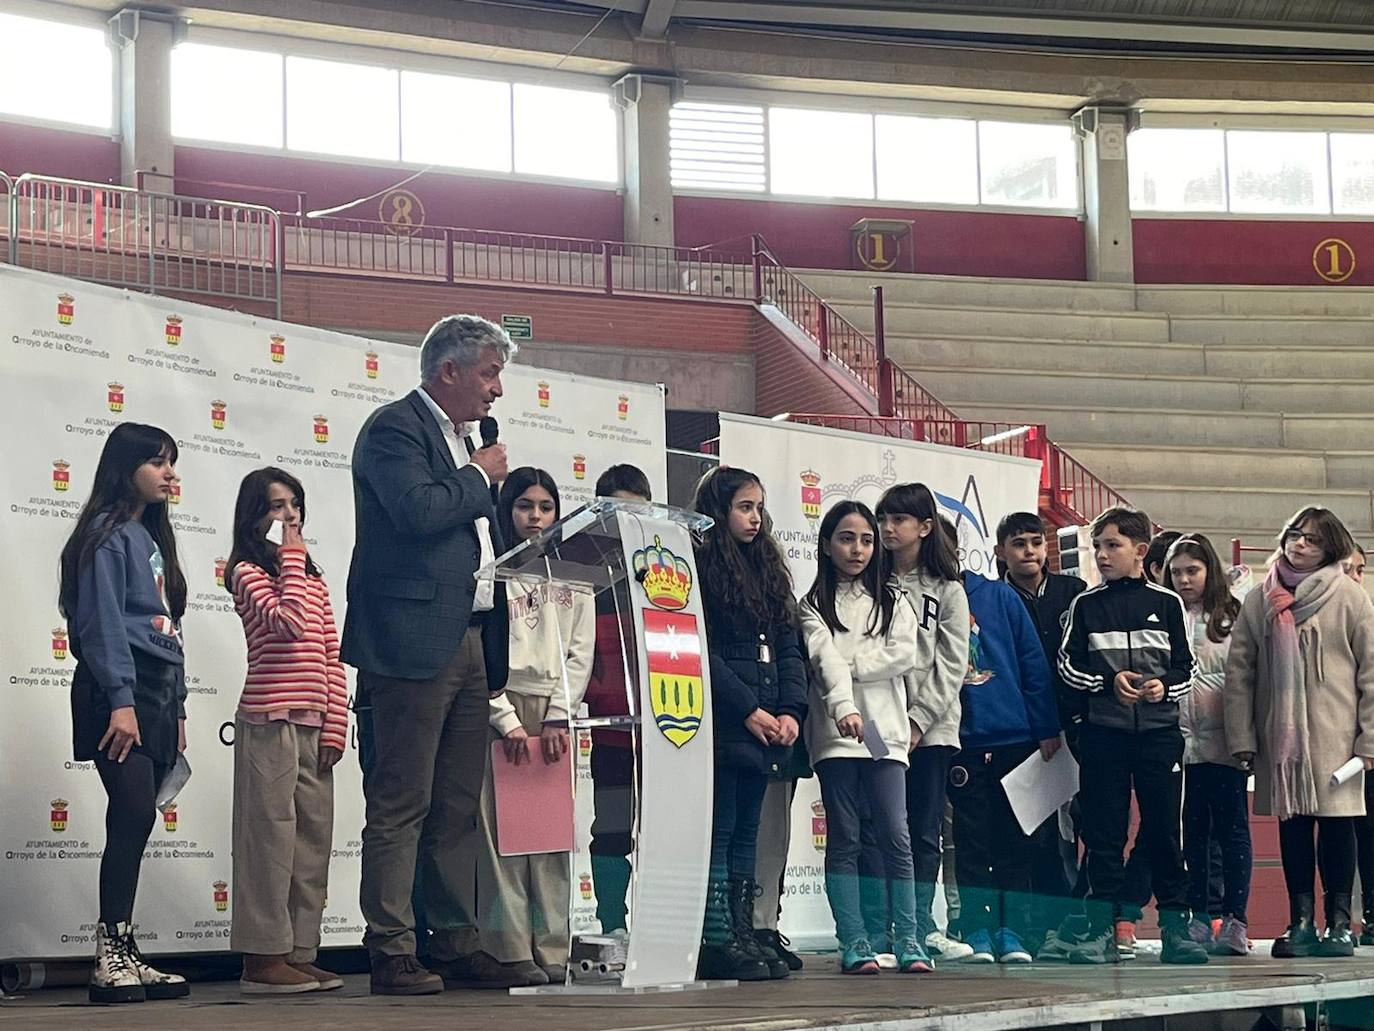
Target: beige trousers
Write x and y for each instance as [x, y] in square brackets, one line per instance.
[283, 826]
[522, 901]
[775, 837]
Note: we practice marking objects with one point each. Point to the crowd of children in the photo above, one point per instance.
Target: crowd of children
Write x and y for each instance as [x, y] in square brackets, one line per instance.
[909, 687]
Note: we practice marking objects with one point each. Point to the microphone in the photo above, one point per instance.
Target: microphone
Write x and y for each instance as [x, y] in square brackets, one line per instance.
[490, 430]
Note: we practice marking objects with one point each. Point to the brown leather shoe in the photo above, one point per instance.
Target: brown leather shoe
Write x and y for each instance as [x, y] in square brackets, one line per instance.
[403, 975]
[482, 970]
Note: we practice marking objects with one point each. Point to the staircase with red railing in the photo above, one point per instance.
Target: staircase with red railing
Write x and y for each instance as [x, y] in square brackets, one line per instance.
[165, 242]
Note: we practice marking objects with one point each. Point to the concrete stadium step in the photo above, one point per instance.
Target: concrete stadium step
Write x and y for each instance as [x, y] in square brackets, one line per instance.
[1189, 299]
[1274, 329]
[988, 352]
[1144, 426]
[1206, 428]
[1298, 361]
[1232, 361]
[1261, 508]
[1098, 390]
[1092, 390]
[970, 291]
[1186, 466]
[929, 319]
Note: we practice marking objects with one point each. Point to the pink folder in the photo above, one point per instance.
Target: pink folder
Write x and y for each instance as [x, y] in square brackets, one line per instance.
[534, 803]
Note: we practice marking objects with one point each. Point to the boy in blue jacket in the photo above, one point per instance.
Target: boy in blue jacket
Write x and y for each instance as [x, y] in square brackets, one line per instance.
[1009, 712]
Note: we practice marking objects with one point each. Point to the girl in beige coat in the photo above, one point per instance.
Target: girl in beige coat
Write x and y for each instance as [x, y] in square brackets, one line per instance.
[1299, 703]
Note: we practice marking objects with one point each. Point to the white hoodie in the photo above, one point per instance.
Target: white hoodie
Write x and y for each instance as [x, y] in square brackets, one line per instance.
[858, 673]
[548, 625]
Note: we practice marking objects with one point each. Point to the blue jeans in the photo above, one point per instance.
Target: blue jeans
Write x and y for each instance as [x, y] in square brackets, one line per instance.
[1216, 809]
[735, 822]
[863, 793]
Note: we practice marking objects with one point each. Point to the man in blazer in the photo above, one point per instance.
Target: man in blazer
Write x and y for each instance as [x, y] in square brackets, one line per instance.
[430, 645]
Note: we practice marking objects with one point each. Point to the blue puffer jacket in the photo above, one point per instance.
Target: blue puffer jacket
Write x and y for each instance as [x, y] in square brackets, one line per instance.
[740, 683]
[1016, 704]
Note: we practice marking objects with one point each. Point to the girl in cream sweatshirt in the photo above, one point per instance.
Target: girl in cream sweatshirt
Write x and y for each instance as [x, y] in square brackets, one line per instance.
[523, 900]
[862, 642]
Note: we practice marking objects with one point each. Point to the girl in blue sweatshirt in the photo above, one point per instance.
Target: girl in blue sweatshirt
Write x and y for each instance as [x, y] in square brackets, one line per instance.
[1009, 713]
[123, 595]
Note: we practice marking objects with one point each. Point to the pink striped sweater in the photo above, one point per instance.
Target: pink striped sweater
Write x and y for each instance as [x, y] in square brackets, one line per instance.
[293, 646]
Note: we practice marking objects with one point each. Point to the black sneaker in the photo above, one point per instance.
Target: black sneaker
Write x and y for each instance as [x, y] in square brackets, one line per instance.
[1097, 948]
[1179, 946]
[1298, 942]
[781, 946]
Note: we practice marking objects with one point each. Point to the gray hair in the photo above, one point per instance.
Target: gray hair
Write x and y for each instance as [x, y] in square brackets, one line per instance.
[461, 340]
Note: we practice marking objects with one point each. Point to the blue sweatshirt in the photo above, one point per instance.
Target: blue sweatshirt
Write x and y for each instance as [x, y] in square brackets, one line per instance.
[1016, 704]
[120, 609]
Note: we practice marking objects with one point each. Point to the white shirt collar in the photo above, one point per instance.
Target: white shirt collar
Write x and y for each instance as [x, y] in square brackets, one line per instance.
[462, 429]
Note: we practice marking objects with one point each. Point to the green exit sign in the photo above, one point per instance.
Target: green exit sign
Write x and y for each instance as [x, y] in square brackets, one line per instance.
[520, 327]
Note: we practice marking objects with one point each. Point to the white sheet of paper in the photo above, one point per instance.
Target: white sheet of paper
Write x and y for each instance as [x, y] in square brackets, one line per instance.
[873, 740]
[1347, 770]
[1036, 788]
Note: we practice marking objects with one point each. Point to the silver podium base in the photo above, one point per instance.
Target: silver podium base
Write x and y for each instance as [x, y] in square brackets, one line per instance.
[611, 988]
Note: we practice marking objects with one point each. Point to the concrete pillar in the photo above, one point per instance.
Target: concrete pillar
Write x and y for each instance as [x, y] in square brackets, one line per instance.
[647, 101]
[143, 48]
[1106, 192]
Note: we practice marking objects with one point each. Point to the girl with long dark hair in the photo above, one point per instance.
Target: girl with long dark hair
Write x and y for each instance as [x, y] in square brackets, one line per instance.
[925, 566]
[123, 595]
[862, 643]
[523, 899]
[758, 694]
[290, 730]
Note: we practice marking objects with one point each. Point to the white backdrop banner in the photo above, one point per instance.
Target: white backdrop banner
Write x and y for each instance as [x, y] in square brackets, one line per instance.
[237, 393]
[805, 470]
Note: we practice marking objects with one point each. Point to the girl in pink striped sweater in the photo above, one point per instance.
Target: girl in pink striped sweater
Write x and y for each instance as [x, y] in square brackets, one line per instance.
[290, 729]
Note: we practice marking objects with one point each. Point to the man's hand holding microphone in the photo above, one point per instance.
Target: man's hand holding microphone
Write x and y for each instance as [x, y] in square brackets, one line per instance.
[491, 456]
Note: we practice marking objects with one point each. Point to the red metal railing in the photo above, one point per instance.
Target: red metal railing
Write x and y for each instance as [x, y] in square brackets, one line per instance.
[1238, 551]
[158, 242]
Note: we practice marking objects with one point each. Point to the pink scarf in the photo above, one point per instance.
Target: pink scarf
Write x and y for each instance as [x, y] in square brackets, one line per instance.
[1294, 784]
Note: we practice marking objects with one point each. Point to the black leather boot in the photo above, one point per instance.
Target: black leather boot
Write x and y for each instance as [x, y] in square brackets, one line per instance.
[722, 956]
[742, 895]
[1300, 939]
[1337, 942]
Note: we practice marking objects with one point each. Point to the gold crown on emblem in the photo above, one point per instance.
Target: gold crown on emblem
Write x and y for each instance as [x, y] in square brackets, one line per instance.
[810, 478]
[667, 579]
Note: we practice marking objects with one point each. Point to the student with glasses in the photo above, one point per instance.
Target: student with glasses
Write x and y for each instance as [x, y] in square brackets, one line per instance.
[1299, 704]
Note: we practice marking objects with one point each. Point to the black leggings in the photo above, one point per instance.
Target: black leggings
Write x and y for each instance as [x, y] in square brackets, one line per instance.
[1334, 845]
[129, 816]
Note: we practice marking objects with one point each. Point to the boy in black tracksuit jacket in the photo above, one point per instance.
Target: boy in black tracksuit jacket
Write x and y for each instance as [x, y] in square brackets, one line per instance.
[1126, 646]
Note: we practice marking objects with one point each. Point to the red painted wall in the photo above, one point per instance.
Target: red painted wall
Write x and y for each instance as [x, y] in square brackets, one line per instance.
[1178, 250]
[956, 243]
[65, 155]
[449, 200]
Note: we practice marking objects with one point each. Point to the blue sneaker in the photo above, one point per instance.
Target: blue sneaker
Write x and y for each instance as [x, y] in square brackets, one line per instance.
[1009, 947]
[858, 957]
[981, 943]
[913, 958]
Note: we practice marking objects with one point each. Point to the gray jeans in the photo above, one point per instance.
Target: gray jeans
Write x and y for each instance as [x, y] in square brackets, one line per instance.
[423, 796]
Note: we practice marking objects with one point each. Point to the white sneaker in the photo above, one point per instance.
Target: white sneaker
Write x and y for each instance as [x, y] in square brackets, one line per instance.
[114, 977]
[941, 946]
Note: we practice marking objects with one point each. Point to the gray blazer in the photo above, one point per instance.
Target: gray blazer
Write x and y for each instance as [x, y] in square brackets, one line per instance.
[410, 582]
